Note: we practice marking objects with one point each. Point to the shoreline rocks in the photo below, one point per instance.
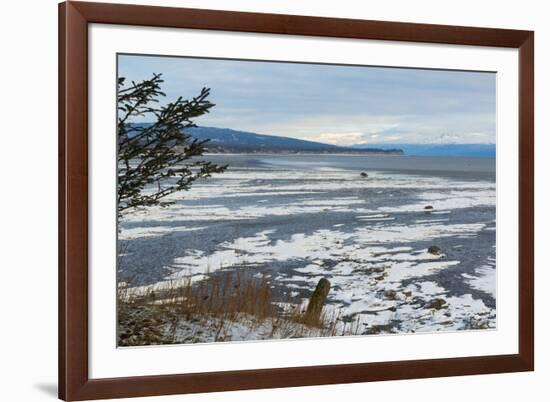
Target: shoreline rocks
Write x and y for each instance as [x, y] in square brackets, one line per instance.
[436, 304]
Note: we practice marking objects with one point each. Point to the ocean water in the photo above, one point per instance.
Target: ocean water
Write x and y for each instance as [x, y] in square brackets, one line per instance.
[299, 218]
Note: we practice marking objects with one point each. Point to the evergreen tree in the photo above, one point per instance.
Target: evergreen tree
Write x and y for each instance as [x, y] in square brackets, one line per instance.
[158, 158]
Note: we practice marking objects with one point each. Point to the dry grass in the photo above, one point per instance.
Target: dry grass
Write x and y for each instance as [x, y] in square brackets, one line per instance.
[154, 315]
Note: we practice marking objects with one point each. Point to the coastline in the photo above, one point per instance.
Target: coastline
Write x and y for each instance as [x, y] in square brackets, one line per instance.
[297, 221]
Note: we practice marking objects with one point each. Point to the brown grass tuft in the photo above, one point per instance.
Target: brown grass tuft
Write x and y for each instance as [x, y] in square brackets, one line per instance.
[221, 298]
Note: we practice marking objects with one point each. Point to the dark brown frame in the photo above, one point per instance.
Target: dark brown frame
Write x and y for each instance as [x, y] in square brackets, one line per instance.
[74, 383]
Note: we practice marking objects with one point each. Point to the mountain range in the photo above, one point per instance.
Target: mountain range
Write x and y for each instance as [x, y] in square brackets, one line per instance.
[224, 140]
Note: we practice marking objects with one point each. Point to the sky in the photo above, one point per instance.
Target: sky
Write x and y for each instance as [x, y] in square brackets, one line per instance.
[334, 104]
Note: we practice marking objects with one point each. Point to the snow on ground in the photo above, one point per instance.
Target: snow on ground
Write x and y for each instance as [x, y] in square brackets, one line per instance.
[238, 184]
[485, 278]
[448, 200]
[242, 328]
[154, 231]
[369, 279]
[381, 286]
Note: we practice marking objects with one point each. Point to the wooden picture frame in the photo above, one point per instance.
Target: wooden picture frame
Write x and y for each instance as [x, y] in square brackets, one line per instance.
[74, 381]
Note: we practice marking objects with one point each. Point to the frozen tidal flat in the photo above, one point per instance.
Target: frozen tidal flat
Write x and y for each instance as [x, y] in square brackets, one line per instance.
[369, 237]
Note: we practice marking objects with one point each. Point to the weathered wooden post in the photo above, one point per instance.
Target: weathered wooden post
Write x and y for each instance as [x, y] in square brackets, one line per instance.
[316, 302]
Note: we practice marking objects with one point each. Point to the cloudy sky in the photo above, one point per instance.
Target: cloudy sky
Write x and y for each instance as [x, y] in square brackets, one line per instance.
[341, 105]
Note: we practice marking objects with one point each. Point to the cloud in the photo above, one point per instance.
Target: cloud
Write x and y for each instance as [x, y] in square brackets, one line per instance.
[333, 104]
[339, 138]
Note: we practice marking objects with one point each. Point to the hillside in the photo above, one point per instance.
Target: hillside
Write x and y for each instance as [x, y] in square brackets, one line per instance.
[224, 140]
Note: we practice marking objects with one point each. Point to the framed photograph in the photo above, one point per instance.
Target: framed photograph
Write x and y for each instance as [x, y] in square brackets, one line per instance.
[260, 200]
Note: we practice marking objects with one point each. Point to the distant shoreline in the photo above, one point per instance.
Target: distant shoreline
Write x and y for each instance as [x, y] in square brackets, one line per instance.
[225, 141]
[342, 154]
[308, 153]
